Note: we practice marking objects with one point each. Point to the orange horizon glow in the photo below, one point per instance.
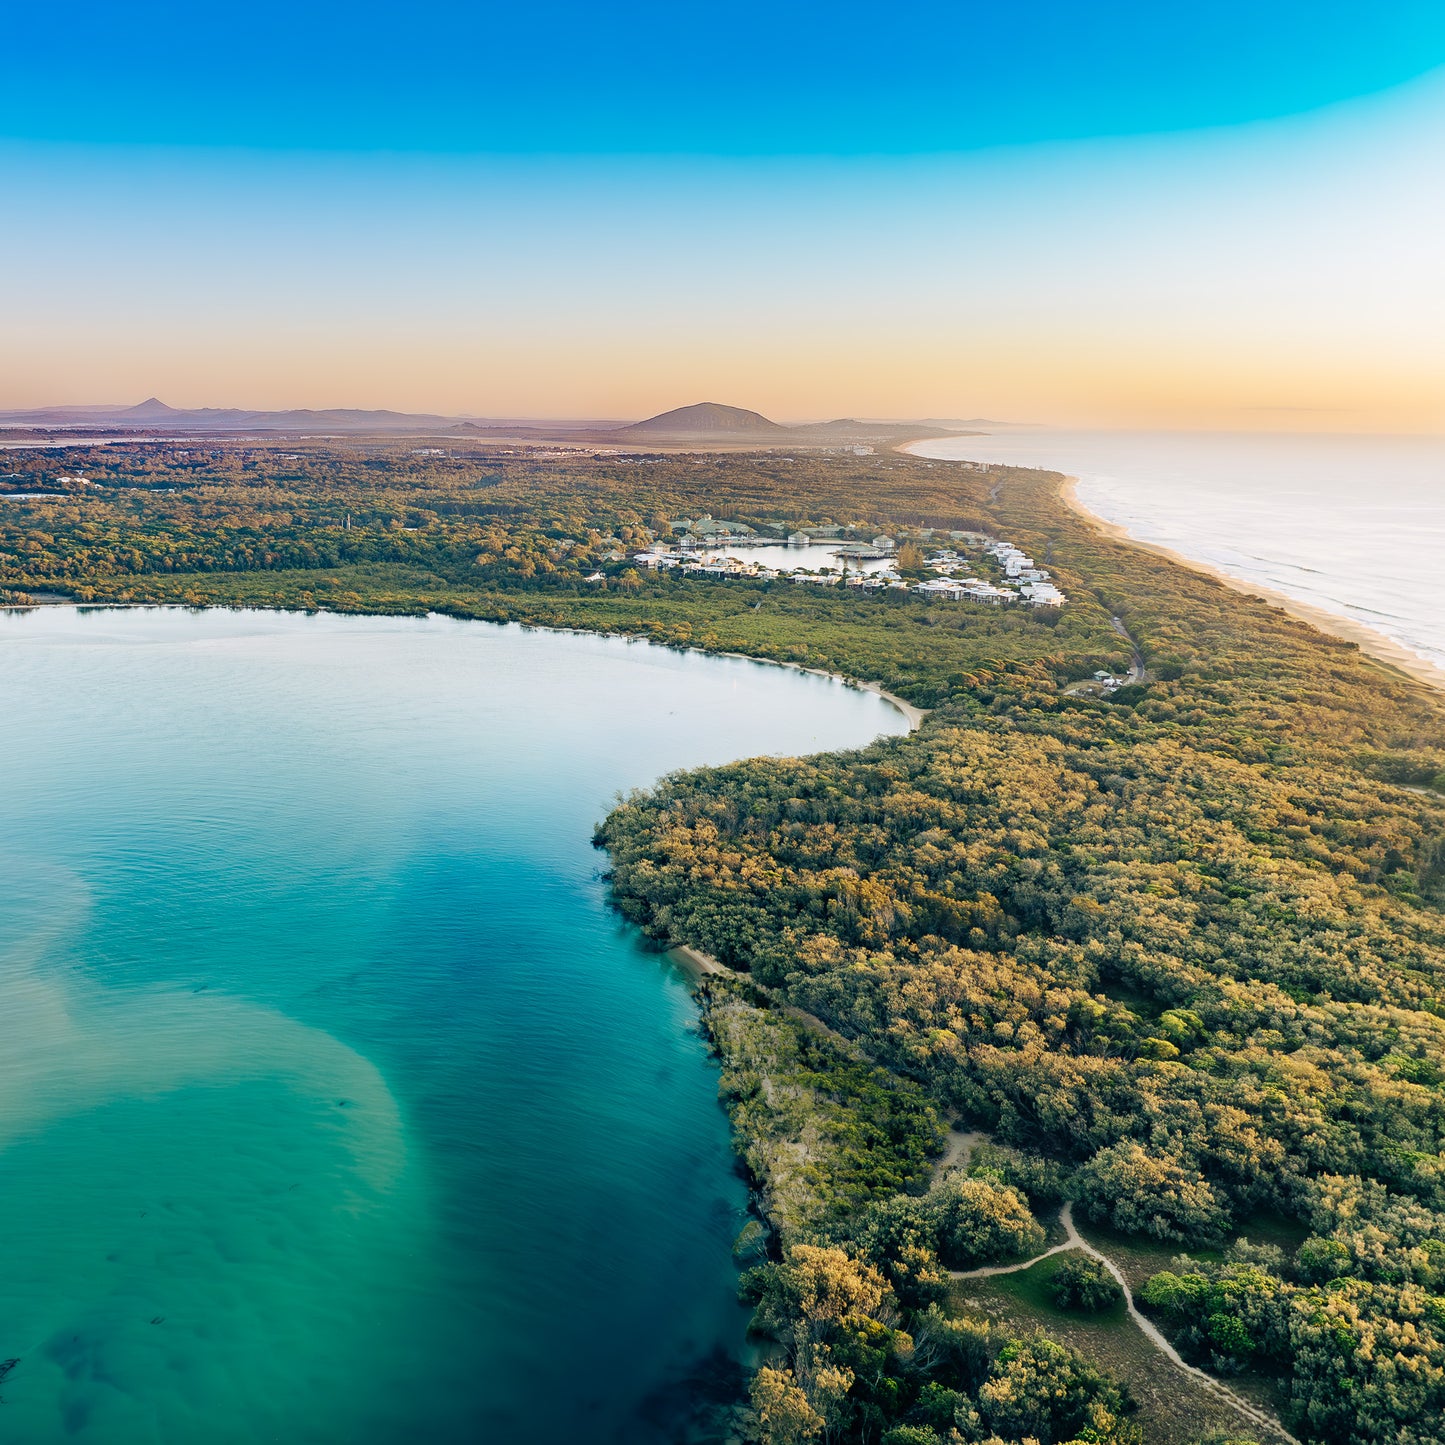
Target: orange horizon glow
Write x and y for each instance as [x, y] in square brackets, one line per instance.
[1276, 276]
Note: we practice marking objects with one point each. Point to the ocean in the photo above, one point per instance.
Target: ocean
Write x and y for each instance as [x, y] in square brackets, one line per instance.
[1352, 525]
[337, 1106]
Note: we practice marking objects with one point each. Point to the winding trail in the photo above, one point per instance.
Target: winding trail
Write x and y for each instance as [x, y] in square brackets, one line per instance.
[1255, 1414]
[1136, 668]
[957, 1153]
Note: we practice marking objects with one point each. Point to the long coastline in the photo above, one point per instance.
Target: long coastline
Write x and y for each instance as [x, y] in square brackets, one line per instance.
[697, 966]
[1373, 644]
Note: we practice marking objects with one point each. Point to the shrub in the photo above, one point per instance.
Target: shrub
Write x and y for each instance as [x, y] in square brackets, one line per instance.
[1045, 1181]
[976, 1221]
[1143, 1193]
[1082, 1283]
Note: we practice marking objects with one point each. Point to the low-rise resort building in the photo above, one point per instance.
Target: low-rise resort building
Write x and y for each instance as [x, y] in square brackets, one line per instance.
[698, 549]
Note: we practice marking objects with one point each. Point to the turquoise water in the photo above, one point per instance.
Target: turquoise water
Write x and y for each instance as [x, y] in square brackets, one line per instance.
[335, 1105]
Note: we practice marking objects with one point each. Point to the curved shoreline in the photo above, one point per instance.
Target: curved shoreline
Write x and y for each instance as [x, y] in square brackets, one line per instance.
[1376, 645]
[912, 714]
[1373, 643]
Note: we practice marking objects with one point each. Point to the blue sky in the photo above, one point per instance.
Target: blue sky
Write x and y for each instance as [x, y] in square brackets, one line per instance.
[1224, 214]
[679, 78]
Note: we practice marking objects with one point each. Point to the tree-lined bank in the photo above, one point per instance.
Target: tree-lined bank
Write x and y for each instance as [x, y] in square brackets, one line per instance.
[1179, 950]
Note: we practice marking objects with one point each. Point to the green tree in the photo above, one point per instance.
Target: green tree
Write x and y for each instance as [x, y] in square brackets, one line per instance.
[1082, 1283]
[1149, 1193]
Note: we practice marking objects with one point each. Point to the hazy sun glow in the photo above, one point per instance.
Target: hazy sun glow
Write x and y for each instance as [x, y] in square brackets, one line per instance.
[1268, 272]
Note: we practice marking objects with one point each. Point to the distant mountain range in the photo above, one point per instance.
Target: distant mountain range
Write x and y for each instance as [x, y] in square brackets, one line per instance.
[704, 423]
[954, 422]
[710, 422]
[153, 415]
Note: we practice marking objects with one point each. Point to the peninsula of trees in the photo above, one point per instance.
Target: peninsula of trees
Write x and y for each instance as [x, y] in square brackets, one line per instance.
[1176, 949]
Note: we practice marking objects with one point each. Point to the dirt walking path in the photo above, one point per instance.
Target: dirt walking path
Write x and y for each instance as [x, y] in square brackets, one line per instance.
[1074, 1240]
[957, 1152]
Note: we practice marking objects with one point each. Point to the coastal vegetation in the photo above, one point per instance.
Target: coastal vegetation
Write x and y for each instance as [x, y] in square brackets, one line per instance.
[1082, 1283]
[1178, 950]
[514, 538]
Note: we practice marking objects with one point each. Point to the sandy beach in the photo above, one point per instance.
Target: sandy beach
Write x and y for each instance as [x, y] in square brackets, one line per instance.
[1373, 644]
[914, 715]
[694, 964]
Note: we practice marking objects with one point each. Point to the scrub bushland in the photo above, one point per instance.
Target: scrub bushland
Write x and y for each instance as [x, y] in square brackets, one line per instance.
[1179, 951]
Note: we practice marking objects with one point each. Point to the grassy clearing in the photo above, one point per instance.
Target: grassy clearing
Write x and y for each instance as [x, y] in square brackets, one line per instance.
[1173, 1409]
[1136, 1256]
[1139, 1258]
[1034, 1289]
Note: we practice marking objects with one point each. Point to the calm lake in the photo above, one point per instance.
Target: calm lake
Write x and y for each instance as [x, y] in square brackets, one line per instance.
[335, 1105]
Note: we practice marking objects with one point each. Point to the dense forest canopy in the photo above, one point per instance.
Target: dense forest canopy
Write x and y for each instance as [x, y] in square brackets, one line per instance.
[514, 537]
[1178, 950]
